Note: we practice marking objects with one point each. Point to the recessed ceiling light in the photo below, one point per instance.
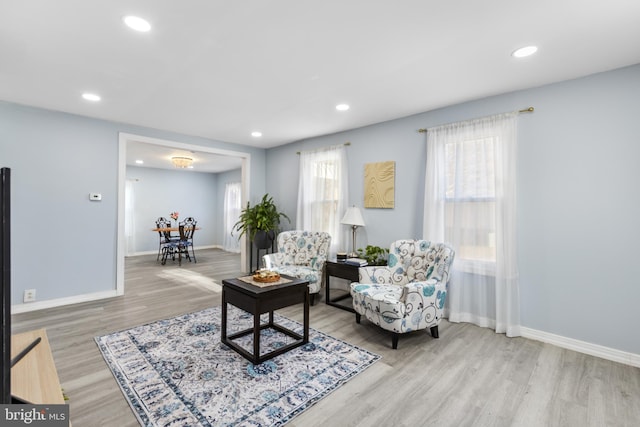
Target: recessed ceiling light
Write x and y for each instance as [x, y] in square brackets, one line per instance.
[91, 97]
[137, 23]
[524, 51]
[342, 107]
[256, 134]
[140, 162]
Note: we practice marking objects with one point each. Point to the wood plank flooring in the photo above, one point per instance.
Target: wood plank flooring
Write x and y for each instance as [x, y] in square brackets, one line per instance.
[470, 376]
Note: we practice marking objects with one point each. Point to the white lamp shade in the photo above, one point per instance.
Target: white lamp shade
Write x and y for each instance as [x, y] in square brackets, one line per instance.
[353, 217]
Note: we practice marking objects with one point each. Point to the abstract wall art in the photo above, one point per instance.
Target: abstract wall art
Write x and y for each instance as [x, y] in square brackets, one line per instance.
[379, 185]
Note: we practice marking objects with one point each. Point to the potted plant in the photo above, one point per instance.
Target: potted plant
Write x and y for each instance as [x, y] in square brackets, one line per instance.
[260, 222]
[375, 255]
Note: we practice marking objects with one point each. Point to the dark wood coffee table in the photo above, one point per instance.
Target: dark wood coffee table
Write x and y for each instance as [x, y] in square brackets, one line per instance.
[258, 300]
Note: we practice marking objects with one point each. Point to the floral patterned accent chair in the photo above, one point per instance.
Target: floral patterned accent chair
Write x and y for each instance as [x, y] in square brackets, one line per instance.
[409, 293]
[301, 254]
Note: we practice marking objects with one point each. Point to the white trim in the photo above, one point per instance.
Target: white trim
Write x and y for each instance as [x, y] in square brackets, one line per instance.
[59, 302]
[583, 347]
[155, 252]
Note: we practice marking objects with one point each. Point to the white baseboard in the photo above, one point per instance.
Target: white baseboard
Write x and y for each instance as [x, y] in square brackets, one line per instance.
[154, 252]
[58, 302]
[582, 347]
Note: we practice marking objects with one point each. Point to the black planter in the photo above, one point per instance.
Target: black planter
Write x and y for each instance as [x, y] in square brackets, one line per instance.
[264, 239]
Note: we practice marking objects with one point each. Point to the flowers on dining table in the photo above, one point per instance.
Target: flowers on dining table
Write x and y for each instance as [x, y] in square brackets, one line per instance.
[174, 215]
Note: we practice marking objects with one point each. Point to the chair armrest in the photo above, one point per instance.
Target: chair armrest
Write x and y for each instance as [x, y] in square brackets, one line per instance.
[431, 288]
[374, 274]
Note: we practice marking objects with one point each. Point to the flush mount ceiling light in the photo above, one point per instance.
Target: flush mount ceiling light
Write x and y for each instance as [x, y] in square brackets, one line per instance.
[524, 51]
[91, 97]
[342, 107]
[182, 162]
[256, 134]
[137, 23]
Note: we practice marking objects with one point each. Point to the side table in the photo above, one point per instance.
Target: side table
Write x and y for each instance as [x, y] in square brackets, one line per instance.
[341, 270]
[258, 300]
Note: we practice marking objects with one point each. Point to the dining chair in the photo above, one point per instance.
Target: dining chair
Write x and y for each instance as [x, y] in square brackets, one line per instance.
[189, 228]
[164, 236]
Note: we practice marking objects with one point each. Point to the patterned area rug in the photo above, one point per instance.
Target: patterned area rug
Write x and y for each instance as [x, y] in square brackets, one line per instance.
[177, 372]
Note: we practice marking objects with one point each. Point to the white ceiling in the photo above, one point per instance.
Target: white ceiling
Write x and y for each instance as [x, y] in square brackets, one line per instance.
[222, 69]
[159, 156]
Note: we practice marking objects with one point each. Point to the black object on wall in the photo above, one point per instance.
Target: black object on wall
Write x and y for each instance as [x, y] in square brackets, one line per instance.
[5, 282]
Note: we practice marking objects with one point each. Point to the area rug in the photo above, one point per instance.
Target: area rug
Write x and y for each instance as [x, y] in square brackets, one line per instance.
[177, 372]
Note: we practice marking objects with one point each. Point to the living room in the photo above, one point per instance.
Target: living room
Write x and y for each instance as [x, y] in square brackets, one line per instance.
[576, 199]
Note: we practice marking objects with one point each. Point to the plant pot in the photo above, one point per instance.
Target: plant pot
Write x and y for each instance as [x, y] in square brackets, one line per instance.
[264, 239]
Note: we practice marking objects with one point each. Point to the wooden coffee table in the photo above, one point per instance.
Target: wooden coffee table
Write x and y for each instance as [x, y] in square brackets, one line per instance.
[258, 300]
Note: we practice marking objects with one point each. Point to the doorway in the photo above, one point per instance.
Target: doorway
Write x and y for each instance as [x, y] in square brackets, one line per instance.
[123, 140]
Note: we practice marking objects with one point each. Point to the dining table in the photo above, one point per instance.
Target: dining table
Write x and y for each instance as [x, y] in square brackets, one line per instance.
[169, 230]
[165, 229]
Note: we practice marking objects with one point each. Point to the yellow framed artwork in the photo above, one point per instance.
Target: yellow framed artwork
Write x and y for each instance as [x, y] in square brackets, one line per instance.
[379, 185]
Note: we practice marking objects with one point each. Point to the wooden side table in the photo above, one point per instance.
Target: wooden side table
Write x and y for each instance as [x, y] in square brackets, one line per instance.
[343, 271]
[257, 300]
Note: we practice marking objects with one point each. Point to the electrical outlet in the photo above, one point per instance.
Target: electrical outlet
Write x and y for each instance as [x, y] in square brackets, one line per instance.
[29, 295]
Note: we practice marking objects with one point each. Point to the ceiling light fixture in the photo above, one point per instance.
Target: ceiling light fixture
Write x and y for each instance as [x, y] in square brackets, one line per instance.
[182, 162]
[524, 51]
[137, 23]
[256, 134]
[91, 97]
[342, 107]
[140, 162]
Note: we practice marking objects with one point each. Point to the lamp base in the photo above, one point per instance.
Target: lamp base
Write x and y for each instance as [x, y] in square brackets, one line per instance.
[353, 253]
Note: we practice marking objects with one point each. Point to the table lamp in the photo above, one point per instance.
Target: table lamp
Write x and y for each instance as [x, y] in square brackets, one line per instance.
[353, 217]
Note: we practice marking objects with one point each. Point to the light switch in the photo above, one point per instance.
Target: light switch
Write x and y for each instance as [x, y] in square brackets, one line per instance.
[95, 196]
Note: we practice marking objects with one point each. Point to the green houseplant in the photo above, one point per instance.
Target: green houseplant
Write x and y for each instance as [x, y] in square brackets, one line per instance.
[260, 222]
[375, 255]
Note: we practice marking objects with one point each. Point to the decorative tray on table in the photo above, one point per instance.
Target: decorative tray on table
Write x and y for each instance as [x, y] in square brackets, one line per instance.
[266, 276]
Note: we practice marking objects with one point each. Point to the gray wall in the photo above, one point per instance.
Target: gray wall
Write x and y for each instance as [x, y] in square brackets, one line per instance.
[158, 192]
[64, 245]
[578, 201]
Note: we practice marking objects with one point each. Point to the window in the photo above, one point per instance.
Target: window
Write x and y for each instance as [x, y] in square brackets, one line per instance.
[470, 198]
[232, 208]
[322, 192]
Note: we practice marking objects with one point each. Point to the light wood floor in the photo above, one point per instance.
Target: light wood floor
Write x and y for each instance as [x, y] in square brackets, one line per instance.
[470, 376]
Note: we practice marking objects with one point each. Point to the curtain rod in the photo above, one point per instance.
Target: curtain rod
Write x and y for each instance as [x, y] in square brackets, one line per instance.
[526, 110]
[346, 143]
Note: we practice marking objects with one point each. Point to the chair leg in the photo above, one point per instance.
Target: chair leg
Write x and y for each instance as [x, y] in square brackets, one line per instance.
[193, 252]
[394, 340]
[312, 299]
[434, 331]
[358, 316]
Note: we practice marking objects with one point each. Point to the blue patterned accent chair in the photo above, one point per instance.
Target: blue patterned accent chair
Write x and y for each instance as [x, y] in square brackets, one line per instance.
[301, 254]
[409, 293]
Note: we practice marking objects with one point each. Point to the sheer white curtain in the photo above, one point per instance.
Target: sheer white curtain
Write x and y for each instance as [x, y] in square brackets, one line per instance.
[129, 218]
[470, 203]
[232, 202]
[323, 192]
